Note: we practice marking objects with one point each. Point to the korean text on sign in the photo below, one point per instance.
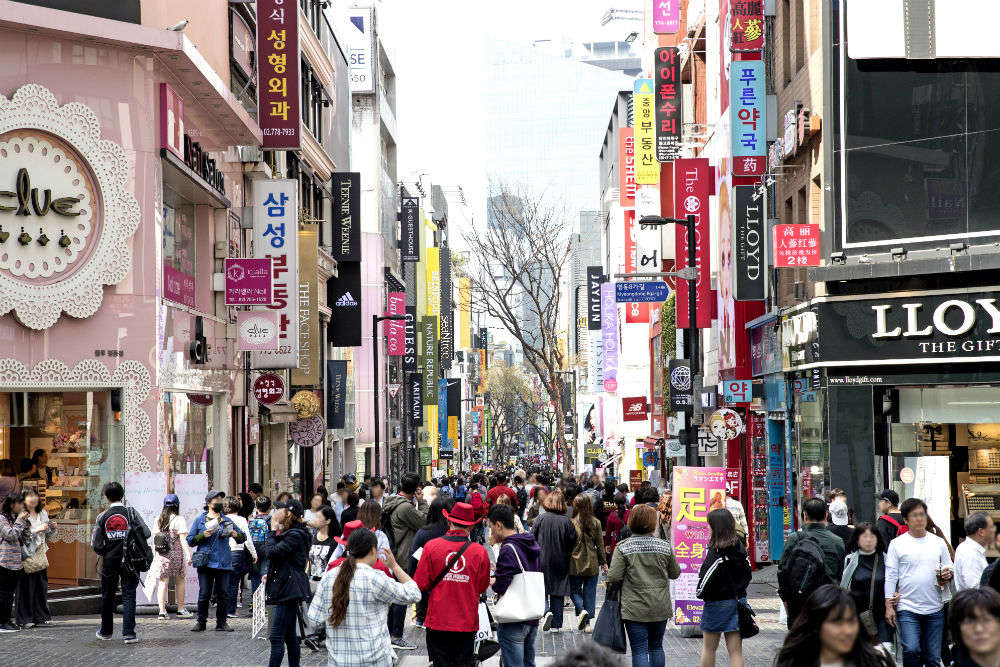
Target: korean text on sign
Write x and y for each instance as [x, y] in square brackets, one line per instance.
[747, 117]
[276, 237]
[696, 492]
[668, 103]
[278, 72]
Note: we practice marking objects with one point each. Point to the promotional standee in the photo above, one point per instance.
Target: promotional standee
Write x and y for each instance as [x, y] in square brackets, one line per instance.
[696, 492]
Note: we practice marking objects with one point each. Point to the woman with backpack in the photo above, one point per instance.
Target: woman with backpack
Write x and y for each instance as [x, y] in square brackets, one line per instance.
[587, 561]
[170, 541]
[722, 584]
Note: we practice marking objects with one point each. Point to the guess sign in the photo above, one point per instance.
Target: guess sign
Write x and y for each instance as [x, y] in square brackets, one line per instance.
[268, 388]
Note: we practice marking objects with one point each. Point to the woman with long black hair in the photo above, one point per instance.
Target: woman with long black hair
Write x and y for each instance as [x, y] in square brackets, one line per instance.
[828, 632]
[864, 576]
[722, 584]
[353, 600]
[33, 588]
[173, 526]
[287, 552]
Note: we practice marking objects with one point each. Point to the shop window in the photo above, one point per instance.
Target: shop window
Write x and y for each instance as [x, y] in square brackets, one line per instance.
[179, 236]
[189, 437]
[800, 34]
[786, 40]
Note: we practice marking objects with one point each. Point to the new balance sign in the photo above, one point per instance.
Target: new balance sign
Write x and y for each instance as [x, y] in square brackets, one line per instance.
[635, 409]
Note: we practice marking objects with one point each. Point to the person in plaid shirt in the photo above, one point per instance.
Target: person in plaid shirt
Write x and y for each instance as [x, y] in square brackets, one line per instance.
[353, 601]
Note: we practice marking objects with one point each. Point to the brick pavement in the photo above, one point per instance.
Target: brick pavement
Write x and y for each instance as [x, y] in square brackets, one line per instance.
[170, 643]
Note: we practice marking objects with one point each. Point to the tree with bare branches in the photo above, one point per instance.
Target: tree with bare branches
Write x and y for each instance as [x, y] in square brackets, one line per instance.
[510, 399]
[516, 279]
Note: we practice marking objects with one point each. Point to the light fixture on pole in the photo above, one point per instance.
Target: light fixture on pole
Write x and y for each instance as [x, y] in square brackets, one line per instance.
[375, 320]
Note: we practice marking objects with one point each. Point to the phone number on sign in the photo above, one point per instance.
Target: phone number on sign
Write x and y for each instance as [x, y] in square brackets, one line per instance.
[279, 131]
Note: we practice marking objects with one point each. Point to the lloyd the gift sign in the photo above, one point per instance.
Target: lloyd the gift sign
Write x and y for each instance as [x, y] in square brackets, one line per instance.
[275, 237]
[748, 240]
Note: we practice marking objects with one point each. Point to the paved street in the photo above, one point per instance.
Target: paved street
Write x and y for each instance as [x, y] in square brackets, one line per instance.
[169, 643]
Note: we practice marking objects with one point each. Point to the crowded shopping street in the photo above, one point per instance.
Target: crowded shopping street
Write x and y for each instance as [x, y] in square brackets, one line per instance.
[542, 333]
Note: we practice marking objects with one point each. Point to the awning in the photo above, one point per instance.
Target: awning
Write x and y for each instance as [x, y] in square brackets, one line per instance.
[652, 442]
[279, 414]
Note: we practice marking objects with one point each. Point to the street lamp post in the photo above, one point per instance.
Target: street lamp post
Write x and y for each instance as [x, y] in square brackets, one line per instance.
[690, 222]
[375, 320]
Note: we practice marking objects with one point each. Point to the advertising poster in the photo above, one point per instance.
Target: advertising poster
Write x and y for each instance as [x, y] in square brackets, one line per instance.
[145, 492]
[445, 447]
[275, 236]
[191, 491]
[609, 336]
[696, 492]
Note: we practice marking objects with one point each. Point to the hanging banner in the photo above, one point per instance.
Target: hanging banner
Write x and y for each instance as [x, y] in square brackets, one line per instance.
[635, 409]
[445, 446]
[410, 340]
[669, 90]
[680, 384]
[693, 184]
[343, 296]
[307, 372]
[747, 117]
[432, 275]
[795, 245]
[630, 245]
[278, 80]
[666, 16]
[415, 399]
[410, 241]
[596, 367]
[647, 169]
[464, 314]
[426, 456]
[275, 236]
[746, 21]
[595, 276]
[346, 244]
[749, 253]
[609, 336]
[626, 166]
[429, 357]
[395, 330]
[446, 336]
[336, 393]
[696, 492]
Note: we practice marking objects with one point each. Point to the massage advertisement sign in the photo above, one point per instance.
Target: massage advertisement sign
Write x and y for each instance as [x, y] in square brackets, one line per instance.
[696, 492]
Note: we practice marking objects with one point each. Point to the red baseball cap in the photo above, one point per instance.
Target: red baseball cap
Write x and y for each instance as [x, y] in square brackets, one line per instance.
[462, 514]
[349, 528]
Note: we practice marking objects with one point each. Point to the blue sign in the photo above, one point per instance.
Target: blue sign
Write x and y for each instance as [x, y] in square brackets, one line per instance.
[641, 291]
[747, 108]
[445, 446]
[649, 459]
[737, 391]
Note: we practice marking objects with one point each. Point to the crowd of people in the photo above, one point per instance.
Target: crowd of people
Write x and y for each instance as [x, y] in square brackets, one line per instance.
[483, 557]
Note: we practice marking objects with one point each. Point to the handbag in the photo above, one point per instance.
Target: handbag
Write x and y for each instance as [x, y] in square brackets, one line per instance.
[609, 629]
[161, 544]
[867, 617]
[37, 561]
[486, 644]
[524, 599]
[748, 626]
[200, 557]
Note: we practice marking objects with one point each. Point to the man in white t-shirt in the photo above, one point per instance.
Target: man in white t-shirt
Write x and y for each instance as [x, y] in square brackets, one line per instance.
[916, 567]
[970, 556]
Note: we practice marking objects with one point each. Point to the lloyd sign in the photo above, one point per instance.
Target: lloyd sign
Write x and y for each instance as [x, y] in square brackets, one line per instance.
[748, 241]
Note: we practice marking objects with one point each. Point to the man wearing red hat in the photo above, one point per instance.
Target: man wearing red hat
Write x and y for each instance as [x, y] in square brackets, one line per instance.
[454, 572]
[349, 528]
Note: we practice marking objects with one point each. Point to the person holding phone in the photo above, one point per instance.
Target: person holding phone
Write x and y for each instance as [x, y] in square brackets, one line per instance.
[209, 535]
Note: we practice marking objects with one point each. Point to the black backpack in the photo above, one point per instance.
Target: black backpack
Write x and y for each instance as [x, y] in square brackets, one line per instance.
[804, 571]
[387, 527]
[137, 554]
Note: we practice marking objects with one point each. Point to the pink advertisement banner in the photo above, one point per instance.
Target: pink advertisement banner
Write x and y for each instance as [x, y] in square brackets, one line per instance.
[248, 281]
[666, 16]
[696, 492]
[395, 330]
[178, 286]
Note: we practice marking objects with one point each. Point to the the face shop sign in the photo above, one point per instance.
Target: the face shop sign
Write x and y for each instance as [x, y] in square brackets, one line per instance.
[930, 327]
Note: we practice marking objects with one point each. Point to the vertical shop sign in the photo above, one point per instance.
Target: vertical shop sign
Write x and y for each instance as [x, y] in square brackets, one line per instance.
[346, 244]
[747, 117]
[410, 340]
[447, 322]
[307, 372]
[410, 242]
[609, 336]
[746, 25]
[647, 169]
[445, 445]
[668, 103]
[415, 398]
[680, 384]
[749, 254]
[795, 245]
[693, 184]
[696, 492]
[596, 368]
[433, 278]
[429, 345]
[278, 79]
[595, 276]
[395, 330]
[626, 166]
[343, 296]
[336, 393]
[666, 16]
[464, 313]
[275, 235]
[361, 65]
[630, 243]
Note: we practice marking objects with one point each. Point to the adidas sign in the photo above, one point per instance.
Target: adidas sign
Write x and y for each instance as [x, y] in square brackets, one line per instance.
[347, 300]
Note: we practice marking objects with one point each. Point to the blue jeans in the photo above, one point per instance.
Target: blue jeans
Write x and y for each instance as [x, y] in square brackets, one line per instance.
[517, 643]
[109, 586]
[583, 590]
[232, 592]
[920, 635]
[646, 640]
[554, 603]
[257, 572]
[284, 632]
[212, 580]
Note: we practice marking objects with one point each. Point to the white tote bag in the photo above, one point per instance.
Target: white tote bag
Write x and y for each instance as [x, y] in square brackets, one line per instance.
[524, 599]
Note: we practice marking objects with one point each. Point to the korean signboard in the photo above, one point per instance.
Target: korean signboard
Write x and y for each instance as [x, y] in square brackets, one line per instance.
[307, 373]
[361, 53]
[609, 336]
[595, 276]
[268, 388]
[336, 393]
[747, 111]
[626, 166]
[795, 245]
[666, 16]
[668, 102]
[256, 330]
[346, 246]
[248, 281]
[746, 25]
[641, 291]
[737, 391]
[395, 330]
[410, 244]
[647, 169]
[275, 236]
[278, 79]
[696, 492]
[692, 186]
[749, 253]
[343, 296]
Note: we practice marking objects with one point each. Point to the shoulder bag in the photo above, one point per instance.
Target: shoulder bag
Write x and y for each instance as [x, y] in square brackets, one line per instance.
[37, 561]
[525, 597]
[867, 617]
[609, 629]
[200, 557]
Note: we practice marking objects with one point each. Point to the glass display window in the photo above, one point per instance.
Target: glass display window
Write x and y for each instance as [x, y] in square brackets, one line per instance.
[188, 445]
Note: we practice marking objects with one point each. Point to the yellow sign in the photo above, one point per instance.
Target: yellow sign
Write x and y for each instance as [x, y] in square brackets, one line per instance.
[647, 169]
[693, 504]
[464, 314]
[434, 281]
[307, 373]
[453, 428]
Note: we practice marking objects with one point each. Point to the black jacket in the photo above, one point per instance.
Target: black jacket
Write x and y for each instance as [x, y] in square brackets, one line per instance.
[730, 578]
[110, 531]
[287, 553]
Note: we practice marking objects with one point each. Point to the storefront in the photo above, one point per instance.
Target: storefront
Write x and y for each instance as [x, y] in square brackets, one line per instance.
[900, 391]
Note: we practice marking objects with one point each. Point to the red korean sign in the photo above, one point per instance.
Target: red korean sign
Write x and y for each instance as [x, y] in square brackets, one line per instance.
[746, 25]
[795, 245]
[635, 409]
[395, 330]
[626, 166]
[667, 90]
[278, 80]
[268, 388]
[693, 181]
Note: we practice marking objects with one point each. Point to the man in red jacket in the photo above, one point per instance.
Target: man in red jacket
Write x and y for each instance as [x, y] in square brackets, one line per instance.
[501, 489]
[453, 599]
